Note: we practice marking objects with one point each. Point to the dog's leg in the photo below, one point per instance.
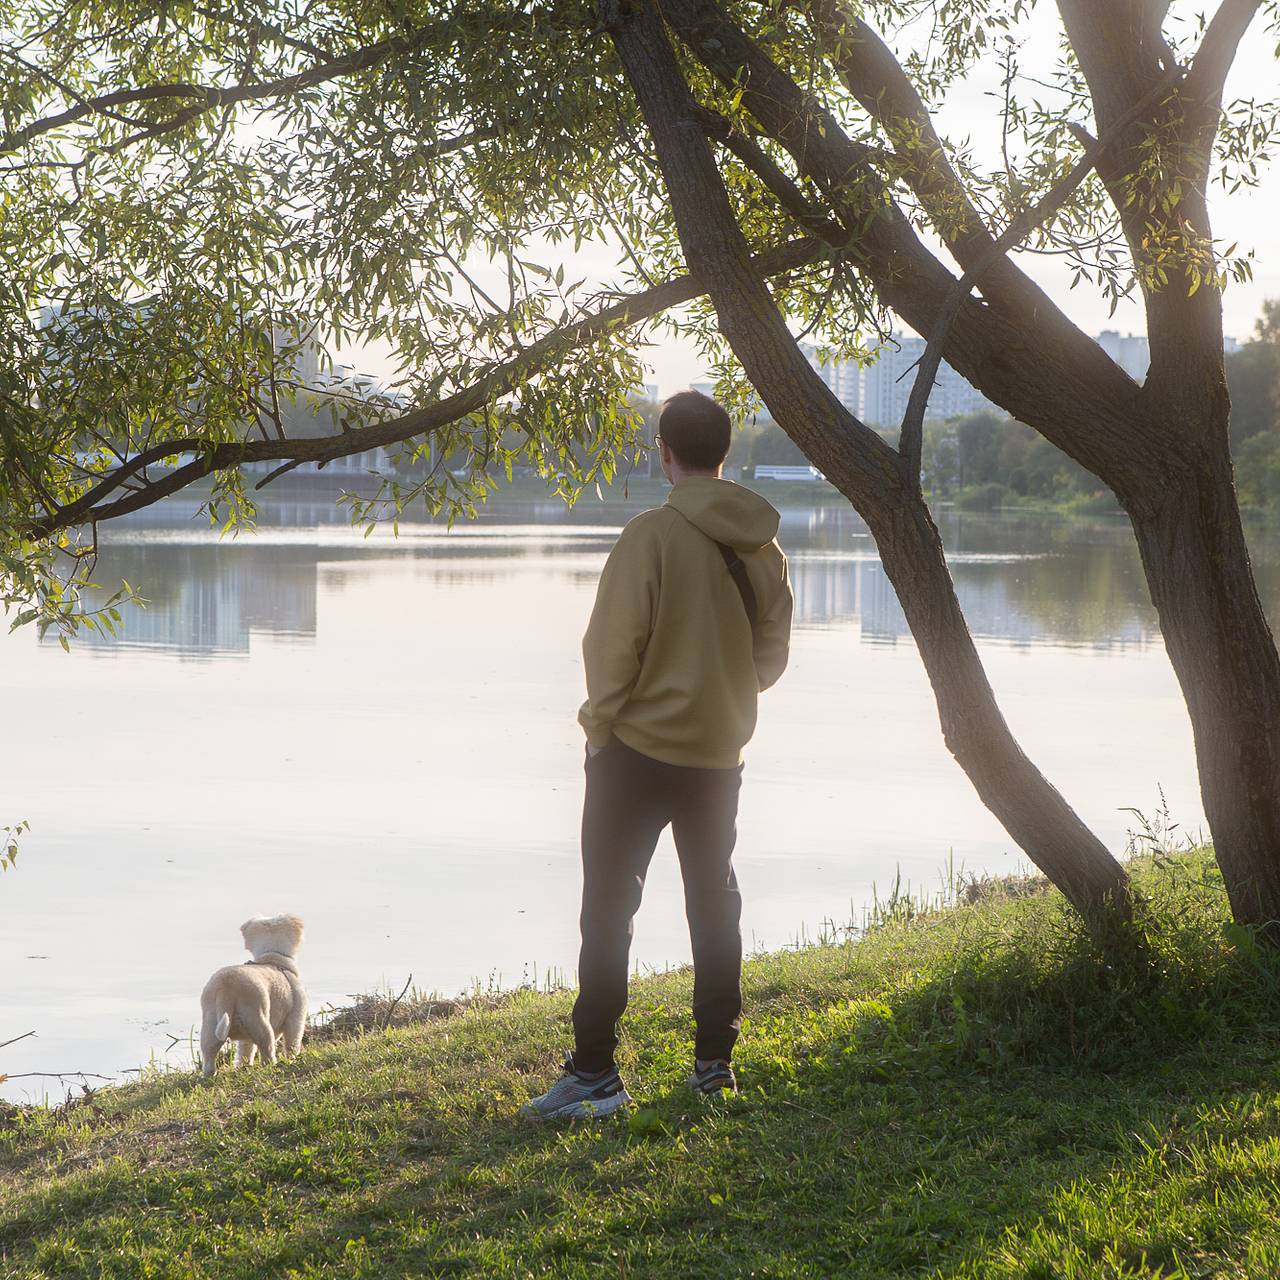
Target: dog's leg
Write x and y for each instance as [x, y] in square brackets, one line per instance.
[294, 1025]
[209, 1045]
[263, 1036]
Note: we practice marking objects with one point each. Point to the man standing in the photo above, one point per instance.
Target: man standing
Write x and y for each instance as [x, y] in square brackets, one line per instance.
[692, 619]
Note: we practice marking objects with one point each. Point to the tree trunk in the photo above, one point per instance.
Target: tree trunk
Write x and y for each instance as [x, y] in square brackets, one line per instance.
[1029, 807]
[869, 473]
[1224, 655]
[1179, 490]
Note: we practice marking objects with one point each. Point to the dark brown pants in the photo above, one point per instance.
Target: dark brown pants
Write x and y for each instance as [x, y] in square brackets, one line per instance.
[630, 799]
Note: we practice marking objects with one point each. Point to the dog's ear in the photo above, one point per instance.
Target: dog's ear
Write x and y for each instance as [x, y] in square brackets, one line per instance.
[287, 931]
[280, 934]
[250, 931]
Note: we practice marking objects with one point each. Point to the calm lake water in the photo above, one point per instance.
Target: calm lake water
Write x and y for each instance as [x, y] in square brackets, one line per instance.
[379, 734]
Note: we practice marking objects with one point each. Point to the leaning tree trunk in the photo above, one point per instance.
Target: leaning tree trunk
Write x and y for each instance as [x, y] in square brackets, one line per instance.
[865, 469]
[1224, 656]
[1031, 810]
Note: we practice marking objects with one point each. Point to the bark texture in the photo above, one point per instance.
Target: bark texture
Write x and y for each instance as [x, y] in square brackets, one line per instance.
[1224, 655]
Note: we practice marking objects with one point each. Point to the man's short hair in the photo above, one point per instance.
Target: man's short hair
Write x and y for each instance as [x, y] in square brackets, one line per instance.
[696, 429]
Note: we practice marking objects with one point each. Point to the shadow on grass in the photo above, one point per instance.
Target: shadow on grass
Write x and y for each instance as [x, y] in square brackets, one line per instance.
[835, 1174]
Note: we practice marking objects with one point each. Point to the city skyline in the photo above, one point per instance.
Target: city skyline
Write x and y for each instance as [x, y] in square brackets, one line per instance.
[877, 392]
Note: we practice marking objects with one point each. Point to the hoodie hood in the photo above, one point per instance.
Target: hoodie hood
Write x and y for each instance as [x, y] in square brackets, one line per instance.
[726, 512]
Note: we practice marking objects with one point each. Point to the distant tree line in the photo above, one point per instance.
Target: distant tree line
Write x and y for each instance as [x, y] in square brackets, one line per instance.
[980, 461]
[1253, 375]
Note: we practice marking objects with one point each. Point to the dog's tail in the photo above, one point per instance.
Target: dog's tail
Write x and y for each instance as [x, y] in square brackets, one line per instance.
[214, 1030]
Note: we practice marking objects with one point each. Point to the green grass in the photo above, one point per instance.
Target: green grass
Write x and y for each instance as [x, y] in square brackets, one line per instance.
[972, 1093]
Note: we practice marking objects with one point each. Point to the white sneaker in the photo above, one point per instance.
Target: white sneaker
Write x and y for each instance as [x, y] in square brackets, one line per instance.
[578, 1097]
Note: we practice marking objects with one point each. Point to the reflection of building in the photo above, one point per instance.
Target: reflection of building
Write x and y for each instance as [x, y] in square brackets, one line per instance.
[826, 589]
[836, 588]
[998, 602]
[210, 599]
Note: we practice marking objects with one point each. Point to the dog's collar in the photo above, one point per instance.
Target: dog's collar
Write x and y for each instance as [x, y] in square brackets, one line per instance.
[277, 961]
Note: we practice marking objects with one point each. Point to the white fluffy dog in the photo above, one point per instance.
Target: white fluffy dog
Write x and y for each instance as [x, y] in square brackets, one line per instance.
[254, 1002]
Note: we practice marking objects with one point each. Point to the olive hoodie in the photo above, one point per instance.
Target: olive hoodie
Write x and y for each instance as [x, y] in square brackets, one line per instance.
[672, 665]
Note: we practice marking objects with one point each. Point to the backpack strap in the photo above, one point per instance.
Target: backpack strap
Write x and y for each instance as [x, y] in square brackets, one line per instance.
[738, 572]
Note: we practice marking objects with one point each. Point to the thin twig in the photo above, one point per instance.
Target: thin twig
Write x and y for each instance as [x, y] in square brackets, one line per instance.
[775, 179]
[396, 1001]
[208, 96]
[4, 1044]
[279, 471]
[57, 1075]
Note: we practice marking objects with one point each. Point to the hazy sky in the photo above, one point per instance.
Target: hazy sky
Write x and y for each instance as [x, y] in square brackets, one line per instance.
[1250, 217]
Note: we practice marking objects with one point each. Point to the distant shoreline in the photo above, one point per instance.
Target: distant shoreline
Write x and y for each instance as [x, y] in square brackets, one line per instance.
[643, 490]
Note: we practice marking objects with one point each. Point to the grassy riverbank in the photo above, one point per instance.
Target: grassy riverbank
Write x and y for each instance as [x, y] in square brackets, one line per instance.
[969, 1093]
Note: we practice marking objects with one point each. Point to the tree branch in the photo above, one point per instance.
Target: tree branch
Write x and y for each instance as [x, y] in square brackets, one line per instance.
[1217, 51]
[865, 469]
[716, 251]
[539, 355]
[256, 26]
[911, 437]
[201, 97]
[874, 76]
[1157, 181]
[775, 180]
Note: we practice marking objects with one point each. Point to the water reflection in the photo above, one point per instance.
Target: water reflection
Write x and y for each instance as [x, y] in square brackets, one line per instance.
[1021, 580]
[203, 601]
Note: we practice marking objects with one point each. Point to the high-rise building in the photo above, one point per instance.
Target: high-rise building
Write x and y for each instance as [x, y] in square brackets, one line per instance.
[877, 393]
[1131, 351]
[310, 360]
[888, 381]
[843, 378]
